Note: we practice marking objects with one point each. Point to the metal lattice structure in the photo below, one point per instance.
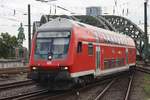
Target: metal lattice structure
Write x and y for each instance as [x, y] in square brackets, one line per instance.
[126, 26]
[109, 22]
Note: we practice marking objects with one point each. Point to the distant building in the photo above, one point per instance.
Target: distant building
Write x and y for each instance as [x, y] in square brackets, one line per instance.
[93, 11]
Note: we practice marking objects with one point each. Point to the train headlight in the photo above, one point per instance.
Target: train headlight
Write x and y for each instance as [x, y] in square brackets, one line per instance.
[34, 68]
[49, 57]
[66, 68]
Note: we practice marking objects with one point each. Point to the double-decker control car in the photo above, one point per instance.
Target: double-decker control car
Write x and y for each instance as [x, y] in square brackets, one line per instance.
[64, 50]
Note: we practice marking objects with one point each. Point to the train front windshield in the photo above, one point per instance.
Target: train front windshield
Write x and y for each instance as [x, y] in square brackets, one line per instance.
[55, 44]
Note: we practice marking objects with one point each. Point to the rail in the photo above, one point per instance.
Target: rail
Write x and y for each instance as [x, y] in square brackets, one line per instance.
[15, 84]
[110, 85]
[129, 87]
[143, 69]
[14, 70]
[104, 90]
[26, 95]
[46, 94]
[75, 91]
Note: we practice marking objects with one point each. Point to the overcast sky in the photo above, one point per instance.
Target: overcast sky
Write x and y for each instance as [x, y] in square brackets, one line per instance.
[10, 20]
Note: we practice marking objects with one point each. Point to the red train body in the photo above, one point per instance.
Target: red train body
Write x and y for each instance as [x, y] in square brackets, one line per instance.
[63, 49]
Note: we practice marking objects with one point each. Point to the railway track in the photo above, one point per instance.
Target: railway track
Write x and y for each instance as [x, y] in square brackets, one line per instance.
[110, 85]
[45, 94]
[14, 70]
[104, 90]
[143, 69]
[129, 88]
[26, 95]
[52, 95]
[61, 94]
[15, 84]
[49, 95]
[75, 93]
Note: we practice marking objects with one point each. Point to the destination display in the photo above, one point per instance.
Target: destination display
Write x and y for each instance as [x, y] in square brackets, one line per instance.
[52, 34]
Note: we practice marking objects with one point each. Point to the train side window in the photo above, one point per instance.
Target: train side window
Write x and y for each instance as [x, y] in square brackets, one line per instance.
[79, 47]
[90, 49]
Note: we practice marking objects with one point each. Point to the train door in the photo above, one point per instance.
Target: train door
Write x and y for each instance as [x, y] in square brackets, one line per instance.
[126, 55]
[97, 69]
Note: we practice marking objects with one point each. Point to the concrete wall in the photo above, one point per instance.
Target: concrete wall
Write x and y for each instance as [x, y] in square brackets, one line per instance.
[11, 63]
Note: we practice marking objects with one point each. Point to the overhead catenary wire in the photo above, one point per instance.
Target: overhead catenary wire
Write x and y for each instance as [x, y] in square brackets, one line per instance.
[58, 6]
[16, 10]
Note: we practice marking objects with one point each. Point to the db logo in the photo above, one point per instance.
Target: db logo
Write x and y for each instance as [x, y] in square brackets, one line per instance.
[49, 62]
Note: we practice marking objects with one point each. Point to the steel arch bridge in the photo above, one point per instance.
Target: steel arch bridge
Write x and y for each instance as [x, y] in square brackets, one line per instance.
[126, 26]
[110, 22]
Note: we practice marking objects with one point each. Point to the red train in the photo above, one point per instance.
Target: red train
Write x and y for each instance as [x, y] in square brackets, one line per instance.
[70, 51]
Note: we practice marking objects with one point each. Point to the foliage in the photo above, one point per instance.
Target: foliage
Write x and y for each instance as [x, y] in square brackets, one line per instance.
[146, 85]
[7, 45]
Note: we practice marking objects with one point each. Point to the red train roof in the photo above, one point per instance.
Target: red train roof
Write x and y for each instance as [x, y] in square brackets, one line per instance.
[107, 36]
[104, 35]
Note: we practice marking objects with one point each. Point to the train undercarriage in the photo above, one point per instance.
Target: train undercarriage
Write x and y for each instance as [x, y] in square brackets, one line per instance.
[61, 79]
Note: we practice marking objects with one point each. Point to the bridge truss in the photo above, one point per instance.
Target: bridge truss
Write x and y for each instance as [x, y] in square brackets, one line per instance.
[110, 22]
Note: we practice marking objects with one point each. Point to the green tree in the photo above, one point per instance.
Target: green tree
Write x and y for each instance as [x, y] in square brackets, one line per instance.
[7, 45]
[21, 35]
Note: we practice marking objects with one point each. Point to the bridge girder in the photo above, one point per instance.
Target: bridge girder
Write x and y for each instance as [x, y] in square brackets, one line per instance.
[126, 26]
[109, 22]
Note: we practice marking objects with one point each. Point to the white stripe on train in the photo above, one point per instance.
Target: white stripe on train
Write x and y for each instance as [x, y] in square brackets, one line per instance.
[102, 72]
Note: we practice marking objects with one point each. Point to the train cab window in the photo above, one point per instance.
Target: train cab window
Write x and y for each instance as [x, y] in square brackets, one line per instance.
[54, 43]
[79, 47]
[90, 49]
